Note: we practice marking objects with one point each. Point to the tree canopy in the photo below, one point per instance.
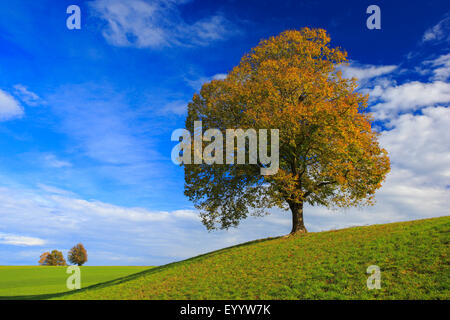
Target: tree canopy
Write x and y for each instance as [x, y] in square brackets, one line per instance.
[54, 258]
[328, 151]
[78, 255]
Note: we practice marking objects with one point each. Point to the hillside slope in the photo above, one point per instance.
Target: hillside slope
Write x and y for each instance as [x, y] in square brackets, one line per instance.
[413, 258]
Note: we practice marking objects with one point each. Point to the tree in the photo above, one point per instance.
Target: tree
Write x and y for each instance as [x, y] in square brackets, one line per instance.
[43, 259]
[329, 153]
[55, 258]
[78, 255]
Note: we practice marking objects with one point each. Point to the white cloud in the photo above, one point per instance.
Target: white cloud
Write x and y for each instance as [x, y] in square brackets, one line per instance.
[417, 186]
[209, 29]
[365, 71]
[17, 240]
[198, 81]
[109, 211]
[53, 190]
[219, 76]
[439, 32]
[28, 97]
[61, 210]
[156, 24]
[420, 144]
[441, 66]
[177, 107]
[52, 161]
[408, 97]
[138, 235]
[9, 107]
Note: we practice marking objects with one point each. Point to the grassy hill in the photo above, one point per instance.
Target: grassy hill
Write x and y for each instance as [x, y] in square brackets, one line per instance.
[413, 258]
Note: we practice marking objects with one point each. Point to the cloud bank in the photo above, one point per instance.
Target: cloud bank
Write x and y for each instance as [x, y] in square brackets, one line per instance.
[157, 24]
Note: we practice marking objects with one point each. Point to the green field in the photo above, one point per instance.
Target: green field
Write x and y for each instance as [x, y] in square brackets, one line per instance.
[27, 282]
[413, 258]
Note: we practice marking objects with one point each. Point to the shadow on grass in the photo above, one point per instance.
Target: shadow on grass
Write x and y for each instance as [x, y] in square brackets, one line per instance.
[131, 276]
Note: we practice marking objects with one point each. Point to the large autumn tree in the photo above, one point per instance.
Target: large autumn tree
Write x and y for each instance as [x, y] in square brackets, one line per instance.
[328, 151]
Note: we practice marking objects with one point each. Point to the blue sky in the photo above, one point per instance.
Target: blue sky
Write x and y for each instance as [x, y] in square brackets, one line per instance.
[86, 118]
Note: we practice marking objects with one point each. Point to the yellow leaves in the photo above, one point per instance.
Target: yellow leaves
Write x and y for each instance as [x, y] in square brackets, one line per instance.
[290, 82]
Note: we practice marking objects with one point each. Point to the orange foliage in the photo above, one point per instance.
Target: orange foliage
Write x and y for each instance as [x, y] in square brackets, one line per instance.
[329, 153]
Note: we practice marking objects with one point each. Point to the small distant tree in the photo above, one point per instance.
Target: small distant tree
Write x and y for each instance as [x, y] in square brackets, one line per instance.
[43, 258]
[55, 258]
[78, 255]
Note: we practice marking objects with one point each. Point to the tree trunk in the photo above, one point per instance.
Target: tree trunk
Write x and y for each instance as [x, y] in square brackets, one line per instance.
[297, 218]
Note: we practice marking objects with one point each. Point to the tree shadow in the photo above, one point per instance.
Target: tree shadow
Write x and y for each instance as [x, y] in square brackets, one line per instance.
[131, 276]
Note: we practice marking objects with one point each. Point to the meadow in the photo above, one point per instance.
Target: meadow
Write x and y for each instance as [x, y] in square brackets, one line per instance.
[39, 282]
[413, 258]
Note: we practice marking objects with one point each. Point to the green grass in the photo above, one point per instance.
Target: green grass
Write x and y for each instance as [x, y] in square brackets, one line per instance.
[27, 282]
[413, 258]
